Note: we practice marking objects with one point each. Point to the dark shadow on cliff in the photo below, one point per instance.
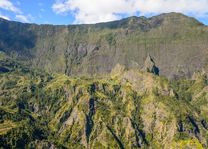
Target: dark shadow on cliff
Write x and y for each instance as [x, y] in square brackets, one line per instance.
[18, 38]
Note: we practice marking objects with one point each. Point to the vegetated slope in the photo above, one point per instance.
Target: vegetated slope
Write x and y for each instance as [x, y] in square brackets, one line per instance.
[178, 44]
[126, 109]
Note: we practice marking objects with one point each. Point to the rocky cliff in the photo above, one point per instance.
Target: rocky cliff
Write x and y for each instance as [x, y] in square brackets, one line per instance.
[178, 44]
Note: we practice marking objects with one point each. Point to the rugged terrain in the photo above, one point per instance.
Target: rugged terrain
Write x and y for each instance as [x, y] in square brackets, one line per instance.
[134, 83]
[125, 109]
[178, 44]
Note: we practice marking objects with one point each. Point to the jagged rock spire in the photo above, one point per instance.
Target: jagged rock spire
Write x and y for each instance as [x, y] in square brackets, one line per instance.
[149, 66]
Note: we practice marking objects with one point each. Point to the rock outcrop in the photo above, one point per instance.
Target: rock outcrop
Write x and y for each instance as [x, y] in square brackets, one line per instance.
[149, 66]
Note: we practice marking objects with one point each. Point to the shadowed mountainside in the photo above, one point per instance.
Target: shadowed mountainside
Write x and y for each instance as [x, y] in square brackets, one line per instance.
[178, 44]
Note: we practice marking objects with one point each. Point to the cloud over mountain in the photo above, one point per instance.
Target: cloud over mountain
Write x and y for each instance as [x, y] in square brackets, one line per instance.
[9, 6]
[92, 11]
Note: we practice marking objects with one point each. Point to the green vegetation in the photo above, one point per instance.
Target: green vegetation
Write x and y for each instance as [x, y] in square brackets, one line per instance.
[6, 126]
[52, 93]
[174, 40]
[127, 109]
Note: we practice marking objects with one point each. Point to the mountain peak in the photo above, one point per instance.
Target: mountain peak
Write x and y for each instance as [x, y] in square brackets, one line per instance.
[145, 24]
[138, 21]
[2, 19]
[175, 18]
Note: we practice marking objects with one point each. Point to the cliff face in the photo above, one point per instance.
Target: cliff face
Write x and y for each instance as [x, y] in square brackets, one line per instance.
[177, 43]
[127, 109]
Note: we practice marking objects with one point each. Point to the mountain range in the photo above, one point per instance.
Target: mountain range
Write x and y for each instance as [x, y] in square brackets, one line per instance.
[177, 43]
[134, 83]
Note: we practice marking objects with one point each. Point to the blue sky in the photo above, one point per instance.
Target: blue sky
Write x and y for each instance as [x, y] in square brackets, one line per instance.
[93, 11]
[36, 11]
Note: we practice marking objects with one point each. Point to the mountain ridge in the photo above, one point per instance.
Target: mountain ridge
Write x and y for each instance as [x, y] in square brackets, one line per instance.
[84, 49]
[126, 109]
[127, 18]
[134, 84]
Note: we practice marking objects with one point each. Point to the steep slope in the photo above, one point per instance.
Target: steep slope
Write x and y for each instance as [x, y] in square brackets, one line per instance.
[178, 44]
[126, 109]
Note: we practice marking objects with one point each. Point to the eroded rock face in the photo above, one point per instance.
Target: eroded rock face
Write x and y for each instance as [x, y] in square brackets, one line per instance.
[95, 49]
[149, 66]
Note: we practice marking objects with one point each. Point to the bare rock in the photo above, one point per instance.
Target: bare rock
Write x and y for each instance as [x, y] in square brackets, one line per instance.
[149, 66]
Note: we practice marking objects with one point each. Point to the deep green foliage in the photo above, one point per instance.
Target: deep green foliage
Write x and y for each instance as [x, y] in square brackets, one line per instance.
[41, 110]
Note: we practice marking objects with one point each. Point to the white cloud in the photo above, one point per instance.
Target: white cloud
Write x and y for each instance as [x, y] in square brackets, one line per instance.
[23, 18]
[92, 11]
[4, 17]
[7, 5]
[19, 15]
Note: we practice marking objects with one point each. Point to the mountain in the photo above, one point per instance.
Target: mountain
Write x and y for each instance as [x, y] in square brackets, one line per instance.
[127, 109]
[133, 83]
[177, 43]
